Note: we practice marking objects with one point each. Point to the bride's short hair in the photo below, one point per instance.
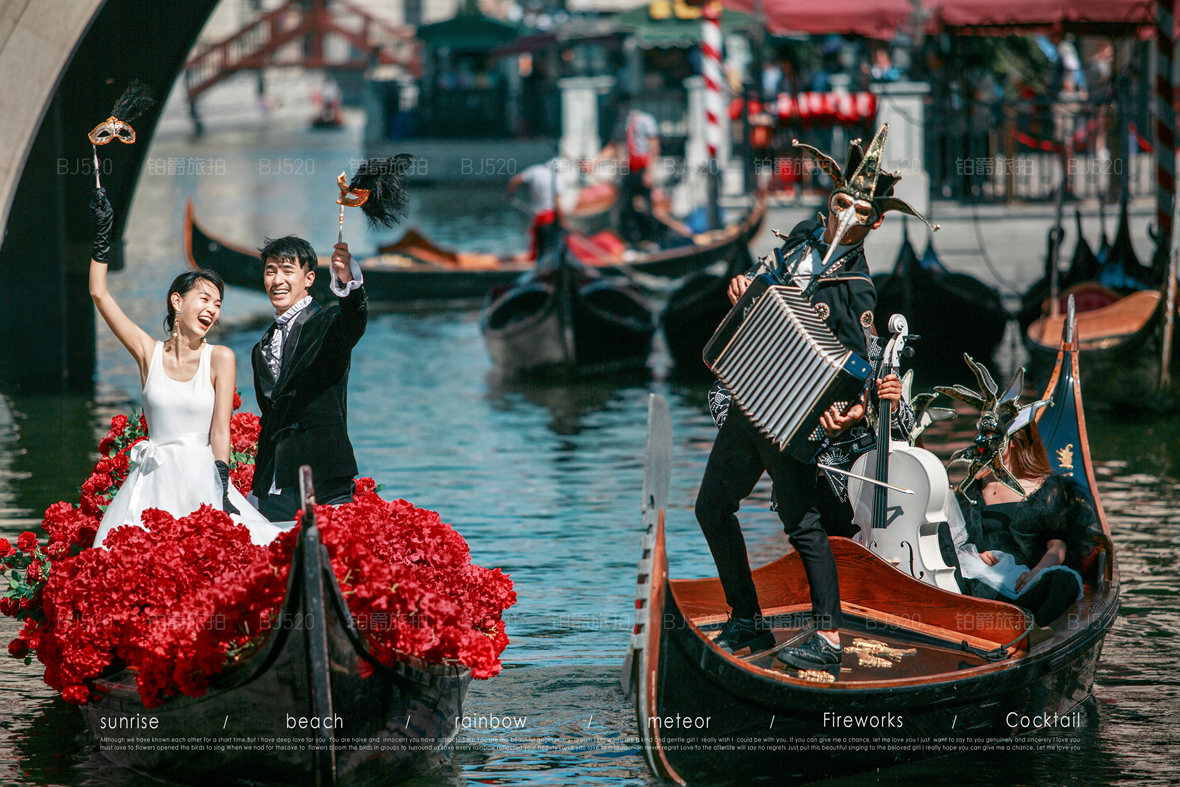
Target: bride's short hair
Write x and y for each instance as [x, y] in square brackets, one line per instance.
[185, 282]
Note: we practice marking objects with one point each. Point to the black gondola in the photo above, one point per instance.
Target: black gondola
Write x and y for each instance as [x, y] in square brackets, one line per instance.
[955, 313]
[567, 320]
[416, 271]
[1084, 266]
[1120, 330]
[373, 724]
[938, 669]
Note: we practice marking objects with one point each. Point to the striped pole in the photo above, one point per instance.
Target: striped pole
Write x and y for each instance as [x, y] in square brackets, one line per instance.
[1165, 131]
[711, 72]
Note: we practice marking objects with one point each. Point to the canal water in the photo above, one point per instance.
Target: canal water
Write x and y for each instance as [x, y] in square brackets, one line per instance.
[543, 481]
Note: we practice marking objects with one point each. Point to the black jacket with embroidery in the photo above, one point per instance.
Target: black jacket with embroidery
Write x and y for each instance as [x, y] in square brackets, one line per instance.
[846, 288]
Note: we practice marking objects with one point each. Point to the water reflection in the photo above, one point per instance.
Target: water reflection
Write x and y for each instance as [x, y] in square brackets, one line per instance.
[543, 480]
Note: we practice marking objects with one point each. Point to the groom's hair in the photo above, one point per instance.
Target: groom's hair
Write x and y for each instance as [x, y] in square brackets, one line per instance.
[289, 247]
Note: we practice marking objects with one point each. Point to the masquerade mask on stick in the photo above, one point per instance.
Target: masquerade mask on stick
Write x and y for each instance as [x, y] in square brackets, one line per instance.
[379, 189]
[863, 191]
[136, 100]
[1000, 417]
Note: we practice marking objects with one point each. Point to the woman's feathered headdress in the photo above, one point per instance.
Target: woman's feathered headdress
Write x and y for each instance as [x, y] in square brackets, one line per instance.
[1000, 417]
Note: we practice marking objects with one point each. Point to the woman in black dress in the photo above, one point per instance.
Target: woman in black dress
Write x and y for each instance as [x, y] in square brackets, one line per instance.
[1046, 532]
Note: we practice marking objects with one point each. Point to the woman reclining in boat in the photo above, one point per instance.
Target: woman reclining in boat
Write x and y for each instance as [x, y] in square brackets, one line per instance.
[1004, 534]
[188, 390]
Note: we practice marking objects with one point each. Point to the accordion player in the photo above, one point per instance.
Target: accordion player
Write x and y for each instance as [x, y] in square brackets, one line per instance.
[783, 366]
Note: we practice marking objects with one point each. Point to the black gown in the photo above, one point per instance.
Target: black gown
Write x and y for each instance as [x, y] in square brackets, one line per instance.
[1059, 509]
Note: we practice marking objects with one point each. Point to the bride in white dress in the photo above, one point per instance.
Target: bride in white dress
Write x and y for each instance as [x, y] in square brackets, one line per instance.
[188, 389]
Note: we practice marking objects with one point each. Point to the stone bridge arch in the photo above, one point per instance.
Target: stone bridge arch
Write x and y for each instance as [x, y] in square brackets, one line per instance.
[63, 63]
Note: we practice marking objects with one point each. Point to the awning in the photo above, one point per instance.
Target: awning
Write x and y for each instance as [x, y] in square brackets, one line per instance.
[657, 25]
[468, 33]
[880, 19]
[1023, 16]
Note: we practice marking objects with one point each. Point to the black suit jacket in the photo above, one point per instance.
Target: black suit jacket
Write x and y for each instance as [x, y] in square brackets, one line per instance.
[305, 411]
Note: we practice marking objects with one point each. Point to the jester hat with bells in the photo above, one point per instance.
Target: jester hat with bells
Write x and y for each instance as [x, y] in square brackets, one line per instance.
[867, 189]
[1000, 417]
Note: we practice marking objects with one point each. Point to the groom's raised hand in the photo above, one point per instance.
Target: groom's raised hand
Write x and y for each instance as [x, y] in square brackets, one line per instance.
[342, 263]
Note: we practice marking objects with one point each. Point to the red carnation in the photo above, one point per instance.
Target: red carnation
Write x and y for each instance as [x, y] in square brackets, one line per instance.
[75, 694]
[5, 547]
[242, 477]
[34, 572]
[237, 399]
[18, 648]
[27, 541]
[119, 423]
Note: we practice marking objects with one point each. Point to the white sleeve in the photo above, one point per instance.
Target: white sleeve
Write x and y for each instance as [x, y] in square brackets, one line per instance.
[341, 290]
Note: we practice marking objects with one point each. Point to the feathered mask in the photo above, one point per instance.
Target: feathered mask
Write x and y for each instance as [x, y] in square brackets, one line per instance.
[379, 189]
[136, 100]
[1000, 417]
[863, 191]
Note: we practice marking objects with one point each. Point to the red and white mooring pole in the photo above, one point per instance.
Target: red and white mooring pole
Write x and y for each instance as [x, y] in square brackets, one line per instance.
[711, 73]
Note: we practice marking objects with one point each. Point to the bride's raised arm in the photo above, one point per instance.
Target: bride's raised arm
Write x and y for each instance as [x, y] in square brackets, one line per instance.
[135, 339]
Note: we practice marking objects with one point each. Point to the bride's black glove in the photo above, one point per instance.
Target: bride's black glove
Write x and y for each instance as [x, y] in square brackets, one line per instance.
[223, 473]
[104, 220]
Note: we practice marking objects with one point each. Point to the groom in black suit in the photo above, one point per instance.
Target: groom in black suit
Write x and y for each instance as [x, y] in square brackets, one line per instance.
[301, 378]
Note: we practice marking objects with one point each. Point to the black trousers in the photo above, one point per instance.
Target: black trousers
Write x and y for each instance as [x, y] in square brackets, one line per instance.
[739, 457]
[283, 506]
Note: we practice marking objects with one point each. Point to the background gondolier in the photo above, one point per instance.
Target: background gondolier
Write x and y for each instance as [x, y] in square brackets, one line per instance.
[826, 259]
[636, 143]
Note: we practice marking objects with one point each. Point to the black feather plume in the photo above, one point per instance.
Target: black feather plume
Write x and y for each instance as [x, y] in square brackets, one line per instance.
[384, 178]
[136, 100]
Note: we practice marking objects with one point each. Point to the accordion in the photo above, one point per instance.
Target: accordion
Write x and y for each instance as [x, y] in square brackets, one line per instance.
[783, 366]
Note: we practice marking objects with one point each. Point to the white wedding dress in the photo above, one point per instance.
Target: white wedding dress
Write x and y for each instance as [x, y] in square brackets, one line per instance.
[173, 469]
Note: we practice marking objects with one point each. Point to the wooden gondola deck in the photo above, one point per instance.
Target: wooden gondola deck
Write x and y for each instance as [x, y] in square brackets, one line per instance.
[897, 631]
[920, 663]
[1107, 326]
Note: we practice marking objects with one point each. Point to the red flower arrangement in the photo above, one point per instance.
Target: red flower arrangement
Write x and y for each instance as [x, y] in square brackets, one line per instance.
[182, 598]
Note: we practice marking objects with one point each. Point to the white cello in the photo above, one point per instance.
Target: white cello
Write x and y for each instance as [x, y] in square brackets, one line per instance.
[902, 528]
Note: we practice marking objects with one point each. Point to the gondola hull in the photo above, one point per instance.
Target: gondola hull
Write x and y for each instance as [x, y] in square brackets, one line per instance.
[1121, 345]
[786, 733]
[690, 318]
[954, 313]
[406, 279]
[309, 707]
[563, 324]
[925, 671]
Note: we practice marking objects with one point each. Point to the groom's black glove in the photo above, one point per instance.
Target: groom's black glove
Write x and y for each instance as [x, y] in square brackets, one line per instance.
[223, 473]
[104, 220]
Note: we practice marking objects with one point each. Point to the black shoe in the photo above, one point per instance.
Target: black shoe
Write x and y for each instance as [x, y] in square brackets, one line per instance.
[816, 653]
[739, 633]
